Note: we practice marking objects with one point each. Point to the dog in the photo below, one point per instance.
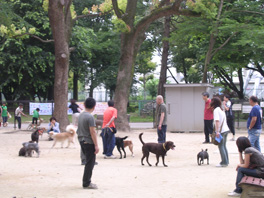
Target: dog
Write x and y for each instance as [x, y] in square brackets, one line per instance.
[201, 156]
[61, 137]
[157, 148]
[28, 148]
[121, 143]
[22, 151]
[35, 135]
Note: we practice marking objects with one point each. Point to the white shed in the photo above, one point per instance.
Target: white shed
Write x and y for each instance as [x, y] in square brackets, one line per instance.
[185, 106]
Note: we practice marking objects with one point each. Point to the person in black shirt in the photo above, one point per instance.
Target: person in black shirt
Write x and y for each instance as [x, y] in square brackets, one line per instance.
[75, 112]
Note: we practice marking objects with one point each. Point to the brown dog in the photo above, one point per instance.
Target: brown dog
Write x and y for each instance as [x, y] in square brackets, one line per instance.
[61, 137]
[129, 143]
[157, 148]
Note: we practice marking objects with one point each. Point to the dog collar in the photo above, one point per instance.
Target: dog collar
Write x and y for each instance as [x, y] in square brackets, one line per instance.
[164, 147]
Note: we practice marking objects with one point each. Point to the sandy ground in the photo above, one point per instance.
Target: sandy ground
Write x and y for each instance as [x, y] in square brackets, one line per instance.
[58, 172]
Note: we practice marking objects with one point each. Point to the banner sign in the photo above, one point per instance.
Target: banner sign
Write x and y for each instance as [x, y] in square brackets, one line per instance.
[46, 108]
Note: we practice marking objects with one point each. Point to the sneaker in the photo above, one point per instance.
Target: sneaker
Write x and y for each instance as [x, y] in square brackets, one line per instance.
[91, 186]
[232, 139]
[220, 165]
[234, 194]
[110, 157]
[206, 142]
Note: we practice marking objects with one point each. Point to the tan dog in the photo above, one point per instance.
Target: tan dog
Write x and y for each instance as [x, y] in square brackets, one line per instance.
[61, 137]
[129, 143]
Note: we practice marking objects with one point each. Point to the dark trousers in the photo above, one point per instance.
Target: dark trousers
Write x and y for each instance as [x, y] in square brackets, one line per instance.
[230, 124]
[88, 150]
[18, 121]
[108, 138]
[162, 134]
[208, 129]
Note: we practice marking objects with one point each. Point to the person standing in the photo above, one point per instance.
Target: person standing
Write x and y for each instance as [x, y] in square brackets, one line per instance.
[75, 112]
[18, 113]
[88, 140]
[254, 123]
[35, 117]
[109, 130]
[229, 115]
[1, 110]
[252, 164]
[161, 119]
[4, 114]
[220, 127]
[208, 118]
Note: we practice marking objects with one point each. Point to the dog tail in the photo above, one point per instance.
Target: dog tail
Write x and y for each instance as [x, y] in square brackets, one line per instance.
[71, 129]
[124, 138]
[140, 138]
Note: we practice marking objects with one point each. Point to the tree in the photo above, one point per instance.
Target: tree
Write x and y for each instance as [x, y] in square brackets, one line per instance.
[131, 41]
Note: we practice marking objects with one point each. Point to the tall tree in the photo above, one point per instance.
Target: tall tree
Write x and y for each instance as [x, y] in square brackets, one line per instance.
[131, 41]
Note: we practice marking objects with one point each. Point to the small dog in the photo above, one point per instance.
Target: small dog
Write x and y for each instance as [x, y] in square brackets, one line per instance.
[35, 135]
[22, 151]
[201, 156]
[157, 148]
[28, 149]
[61, 137]
[122, 143]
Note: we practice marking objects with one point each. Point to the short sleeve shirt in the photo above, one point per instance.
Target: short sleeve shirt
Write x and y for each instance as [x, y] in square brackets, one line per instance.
[74, 108]
[4, 113]
[161, 109]
[18, 111]
[257, 159]
[35, 114]
[85, 121]
[221, 117]
[108, 114]
[255, 112]
[208, 113]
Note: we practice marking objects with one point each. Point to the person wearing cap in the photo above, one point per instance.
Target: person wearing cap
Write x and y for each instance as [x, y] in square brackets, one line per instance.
[208, 117]
[18, 113]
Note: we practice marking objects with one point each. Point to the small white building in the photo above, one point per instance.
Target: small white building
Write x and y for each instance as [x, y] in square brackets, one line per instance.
[185, 106]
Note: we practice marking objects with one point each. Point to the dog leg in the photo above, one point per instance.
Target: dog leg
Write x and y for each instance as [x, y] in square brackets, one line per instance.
[198, 161]
[142, 160]
[157, 156]
[118, 148]
[163, 161]
[54, 143]
[208, 160]
[131, 149]
[147, 157]
[124, 151]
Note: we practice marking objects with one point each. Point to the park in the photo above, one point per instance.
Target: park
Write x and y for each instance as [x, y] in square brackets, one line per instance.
[53, 52]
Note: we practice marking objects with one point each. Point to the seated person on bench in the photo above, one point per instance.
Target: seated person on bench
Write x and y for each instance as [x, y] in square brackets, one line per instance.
[251, 165]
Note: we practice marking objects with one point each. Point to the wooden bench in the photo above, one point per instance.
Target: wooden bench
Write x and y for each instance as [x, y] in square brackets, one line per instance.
[252, 187]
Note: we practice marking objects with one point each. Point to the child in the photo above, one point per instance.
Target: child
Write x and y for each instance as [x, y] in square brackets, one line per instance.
[35, 117]
[4, 114]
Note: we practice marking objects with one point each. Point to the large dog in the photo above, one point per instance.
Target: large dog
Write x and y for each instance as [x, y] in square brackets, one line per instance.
[61, 137]
[121, 143]
[157, 148]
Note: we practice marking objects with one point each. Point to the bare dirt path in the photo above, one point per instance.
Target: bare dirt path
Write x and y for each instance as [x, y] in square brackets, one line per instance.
[58, 172]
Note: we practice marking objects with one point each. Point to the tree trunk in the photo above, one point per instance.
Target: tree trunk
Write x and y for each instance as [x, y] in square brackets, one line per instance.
[164, 59]
[75, 86]
[60, 21]
[124, 80]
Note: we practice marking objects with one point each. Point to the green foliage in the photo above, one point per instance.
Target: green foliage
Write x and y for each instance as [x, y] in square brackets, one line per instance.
[152, 87]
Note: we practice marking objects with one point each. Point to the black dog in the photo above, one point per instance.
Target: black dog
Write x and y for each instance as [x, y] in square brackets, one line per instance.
[157, 148]
[35, 136]
[120, 144]
[201, 156]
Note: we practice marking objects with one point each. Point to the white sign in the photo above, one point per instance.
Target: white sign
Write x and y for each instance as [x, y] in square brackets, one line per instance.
[46, 108]
[246, 108]
[237, 107]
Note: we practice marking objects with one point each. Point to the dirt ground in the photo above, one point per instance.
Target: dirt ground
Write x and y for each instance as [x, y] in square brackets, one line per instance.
[58, 172]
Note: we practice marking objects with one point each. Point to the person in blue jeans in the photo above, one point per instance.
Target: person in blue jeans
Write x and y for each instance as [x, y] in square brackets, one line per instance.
[161, 119]
[251, 165]
[254, 123]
